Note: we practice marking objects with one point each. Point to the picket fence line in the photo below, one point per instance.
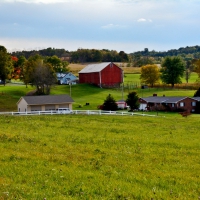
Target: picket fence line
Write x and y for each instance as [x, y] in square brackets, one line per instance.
[83, 112]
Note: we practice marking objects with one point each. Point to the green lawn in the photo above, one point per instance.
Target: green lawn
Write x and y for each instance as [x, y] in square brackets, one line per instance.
[99, 157]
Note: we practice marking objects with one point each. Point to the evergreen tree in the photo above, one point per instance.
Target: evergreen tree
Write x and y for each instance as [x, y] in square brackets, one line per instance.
[110, 103]
[133, 100]
[197, 93]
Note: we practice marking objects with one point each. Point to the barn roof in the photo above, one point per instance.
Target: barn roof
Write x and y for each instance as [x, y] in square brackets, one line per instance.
[47, 99]
[95, 67]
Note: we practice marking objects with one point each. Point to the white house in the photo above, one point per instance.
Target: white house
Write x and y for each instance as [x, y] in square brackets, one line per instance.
[66, 78]
[44, 103]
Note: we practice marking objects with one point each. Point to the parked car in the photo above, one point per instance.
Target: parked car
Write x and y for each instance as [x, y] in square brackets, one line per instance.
[64, 111]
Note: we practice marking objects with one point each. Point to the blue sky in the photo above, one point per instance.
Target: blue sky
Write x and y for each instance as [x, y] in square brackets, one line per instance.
[122, 25]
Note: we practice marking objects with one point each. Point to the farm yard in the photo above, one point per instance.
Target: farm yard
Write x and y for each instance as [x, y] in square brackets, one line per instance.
[99, 157]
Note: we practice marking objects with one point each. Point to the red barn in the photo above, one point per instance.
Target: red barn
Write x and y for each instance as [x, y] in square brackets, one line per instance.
[103, 74]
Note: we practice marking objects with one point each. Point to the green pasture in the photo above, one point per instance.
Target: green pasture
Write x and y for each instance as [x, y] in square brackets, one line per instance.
[99, 157]
[135, 78]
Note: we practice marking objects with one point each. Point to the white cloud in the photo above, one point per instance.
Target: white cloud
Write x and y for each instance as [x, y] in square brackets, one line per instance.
[110, 26]
[144, 20]
[141, 20]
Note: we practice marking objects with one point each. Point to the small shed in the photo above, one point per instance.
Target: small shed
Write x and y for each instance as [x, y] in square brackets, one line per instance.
[44, 103]
[121, 104]
[105, 74]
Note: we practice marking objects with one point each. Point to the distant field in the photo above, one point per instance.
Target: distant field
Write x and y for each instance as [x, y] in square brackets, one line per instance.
[75, 68]
[99, 157]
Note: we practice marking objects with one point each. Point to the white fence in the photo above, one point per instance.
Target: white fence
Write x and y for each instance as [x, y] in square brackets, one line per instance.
[79, 112]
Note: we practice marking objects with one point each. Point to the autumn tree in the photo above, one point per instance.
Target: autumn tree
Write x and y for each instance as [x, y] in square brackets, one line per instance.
[172, 70]
[150, 74]
[110, 103]
[133, 100]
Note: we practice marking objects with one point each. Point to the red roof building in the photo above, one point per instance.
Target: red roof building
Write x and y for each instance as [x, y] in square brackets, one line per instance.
[102, 74]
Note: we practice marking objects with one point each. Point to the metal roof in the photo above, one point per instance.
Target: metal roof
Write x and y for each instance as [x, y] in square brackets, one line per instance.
[47, 99]
[155, 99]
[196, 98]
[95, 67]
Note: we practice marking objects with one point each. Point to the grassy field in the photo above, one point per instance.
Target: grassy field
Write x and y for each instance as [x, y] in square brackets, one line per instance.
[99, 157]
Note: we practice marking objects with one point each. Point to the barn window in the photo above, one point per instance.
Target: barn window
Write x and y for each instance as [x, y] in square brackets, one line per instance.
[182, 104]
[173, 105]
[111, 65]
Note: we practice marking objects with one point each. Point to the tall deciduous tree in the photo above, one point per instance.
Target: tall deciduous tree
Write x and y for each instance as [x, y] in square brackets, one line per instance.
[43, 77]
[150, 74]
[133, 100]
[110, 103]
[172, 70]
[6, 65]
[197, 67]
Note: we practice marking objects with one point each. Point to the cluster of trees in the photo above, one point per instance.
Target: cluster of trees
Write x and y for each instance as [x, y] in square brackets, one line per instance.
[192, 52]
[36, 70]
[43, 52]
[79, 56]
[132, 100]
[93, 55]
[171, 71]
[136, 59]
[141, 58]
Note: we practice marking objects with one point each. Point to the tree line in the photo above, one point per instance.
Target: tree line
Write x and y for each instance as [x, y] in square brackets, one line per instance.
[136, 59]
[79, 56]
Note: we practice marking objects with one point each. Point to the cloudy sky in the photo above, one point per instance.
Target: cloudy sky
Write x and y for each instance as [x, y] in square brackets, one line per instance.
[122, 25]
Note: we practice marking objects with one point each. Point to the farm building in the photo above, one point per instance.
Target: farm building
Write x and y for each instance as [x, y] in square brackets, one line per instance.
[168, 103]
[66, 78]
[103, 74]
[121, 104]
[44, 103]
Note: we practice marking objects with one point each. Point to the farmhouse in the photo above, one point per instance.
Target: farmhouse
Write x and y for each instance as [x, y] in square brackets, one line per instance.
[44, 103]
[103, 75]
[66, 78]
[168, 103]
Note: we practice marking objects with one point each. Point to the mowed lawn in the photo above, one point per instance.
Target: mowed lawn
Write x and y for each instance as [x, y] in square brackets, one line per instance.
[99, 157]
